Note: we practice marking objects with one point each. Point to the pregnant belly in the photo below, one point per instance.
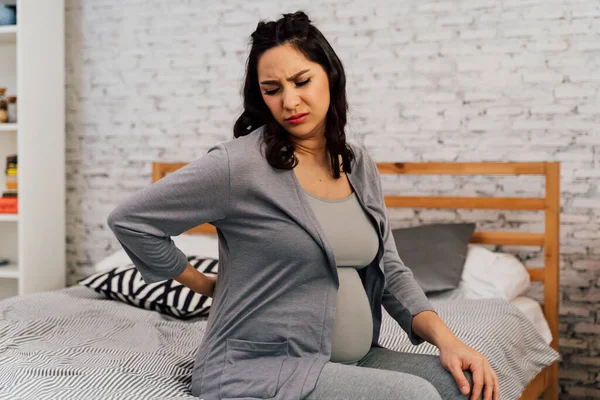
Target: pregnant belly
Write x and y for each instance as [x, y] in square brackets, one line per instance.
[353, 327]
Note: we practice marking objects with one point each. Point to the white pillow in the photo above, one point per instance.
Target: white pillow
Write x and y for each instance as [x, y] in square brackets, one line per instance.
[200, 245]
[489, 274]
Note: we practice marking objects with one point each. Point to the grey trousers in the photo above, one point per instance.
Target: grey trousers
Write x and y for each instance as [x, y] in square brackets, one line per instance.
[384, 374]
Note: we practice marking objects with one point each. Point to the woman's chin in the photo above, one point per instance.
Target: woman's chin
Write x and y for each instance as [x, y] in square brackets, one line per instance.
[301, 133]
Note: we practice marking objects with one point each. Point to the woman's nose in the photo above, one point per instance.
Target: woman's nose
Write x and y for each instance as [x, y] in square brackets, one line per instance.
[290, 99]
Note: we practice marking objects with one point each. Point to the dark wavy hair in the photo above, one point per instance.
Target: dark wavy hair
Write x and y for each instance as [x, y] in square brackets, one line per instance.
[295, 29]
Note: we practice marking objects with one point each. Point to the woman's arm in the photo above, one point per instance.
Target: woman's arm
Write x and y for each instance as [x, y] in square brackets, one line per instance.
[429, 326]
[193, 195]
[197, 281]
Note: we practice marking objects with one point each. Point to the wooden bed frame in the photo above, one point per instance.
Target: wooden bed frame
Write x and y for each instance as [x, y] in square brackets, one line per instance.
[546, 382]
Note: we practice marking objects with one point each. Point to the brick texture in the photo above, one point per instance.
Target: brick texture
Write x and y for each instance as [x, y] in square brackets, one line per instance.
[465, 80]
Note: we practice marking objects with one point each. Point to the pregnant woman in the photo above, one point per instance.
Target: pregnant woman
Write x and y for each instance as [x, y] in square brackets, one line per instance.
[306, 254]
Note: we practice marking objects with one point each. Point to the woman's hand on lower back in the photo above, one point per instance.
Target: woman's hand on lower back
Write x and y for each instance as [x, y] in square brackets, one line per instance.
[198, 282]
[212, 279]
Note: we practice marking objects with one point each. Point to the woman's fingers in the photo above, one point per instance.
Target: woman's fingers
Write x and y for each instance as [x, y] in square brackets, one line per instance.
[489, 385]
[459, 377]
[485, 381]
[496, 385]
[477, 371]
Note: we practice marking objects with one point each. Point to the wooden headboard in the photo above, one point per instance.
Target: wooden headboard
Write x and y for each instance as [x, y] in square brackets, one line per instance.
[550, 204]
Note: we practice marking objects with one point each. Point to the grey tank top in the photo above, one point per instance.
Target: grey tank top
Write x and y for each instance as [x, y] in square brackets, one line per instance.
[355, 244]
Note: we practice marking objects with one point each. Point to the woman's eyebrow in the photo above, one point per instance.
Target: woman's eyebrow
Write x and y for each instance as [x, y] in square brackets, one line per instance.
[291, 78]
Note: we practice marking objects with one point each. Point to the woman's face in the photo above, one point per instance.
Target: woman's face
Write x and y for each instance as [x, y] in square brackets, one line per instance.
[291, 85]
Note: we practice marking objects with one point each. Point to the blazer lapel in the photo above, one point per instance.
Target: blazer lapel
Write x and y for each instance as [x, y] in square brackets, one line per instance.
[306, 218]
[366, 200]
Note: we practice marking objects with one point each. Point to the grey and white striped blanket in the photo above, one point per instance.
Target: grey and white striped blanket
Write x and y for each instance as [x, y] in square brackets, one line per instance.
[75, 344]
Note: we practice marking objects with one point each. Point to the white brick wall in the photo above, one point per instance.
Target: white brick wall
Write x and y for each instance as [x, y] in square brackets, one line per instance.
[460, 80]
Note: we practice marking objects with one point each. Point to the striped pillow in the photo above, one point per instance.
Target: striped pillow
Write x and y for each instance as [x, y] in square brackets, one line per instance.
[124, 283]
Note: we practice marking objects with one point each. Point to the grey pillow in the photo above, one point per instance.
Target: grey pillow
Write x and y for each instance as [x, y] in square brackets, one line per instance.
[435, 253]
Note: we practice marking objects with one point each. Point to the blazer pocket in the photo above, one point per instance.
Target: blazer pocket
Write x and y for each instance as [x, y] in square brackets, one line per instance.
[252, 369]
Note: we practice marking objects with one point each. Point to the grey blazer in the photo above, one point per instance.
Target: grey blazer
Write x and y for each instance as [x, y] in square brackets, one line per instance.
[269, 329]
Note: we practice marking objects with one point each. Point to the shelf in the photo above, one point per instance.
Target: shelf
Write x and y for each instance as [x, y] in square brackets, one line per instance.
[8, 33]
[9, 217]
[8, 127]
[9, 271]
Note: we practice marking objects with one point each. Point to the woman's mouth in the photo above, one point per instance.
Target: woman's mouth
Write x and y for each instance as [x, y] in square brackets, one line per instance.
[297, 119]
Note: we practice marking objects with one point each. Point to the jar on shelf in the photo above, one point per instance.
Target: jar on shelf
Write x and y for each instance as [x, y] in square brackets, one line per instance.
[8, 14]
[3, 106]
[12, 109]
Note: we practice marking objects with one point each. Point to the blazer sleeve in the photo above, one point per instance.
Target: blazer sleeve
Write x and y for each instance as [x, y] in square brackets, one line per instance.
[195, 194]
[403, 298]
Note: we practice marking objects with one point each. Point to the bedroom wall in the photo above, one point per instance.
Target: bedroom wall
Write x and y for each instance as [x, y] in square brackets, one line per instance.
[465, 80]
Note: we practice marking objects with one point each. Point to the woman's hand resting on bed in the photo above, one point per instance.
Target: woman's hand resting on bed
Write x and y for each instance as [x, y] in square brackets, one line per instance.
[456, 357]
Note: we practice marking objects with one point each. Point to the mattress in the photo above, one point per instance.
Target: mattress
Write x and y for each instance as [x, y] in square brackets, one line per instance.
[73, 343]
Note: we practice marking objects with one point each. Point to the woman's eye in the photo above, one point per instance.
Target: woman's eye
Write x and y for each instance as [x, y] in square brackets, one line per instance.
[272, 92]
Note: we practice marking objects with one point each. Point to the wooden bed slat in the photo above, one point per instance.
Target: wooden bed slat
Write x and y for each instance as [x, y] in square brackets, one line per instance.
[499, 238]
[159, 170]
[205, 228]
[489, 203]
[537, 274]
[473, 168]
[509, 238]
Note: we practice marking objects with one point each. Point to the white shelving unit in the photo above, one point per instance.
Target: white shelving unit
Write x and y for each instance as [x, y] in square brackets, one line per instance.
[10, 271]
[9, 218]
[8, 34]
[32, 58]
[8, 127]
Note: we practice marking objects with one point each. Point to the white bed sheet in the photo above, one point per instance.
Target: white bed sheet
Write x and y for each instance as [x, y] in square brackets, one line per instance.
[534, 313]
[528, 306]
[79, 338]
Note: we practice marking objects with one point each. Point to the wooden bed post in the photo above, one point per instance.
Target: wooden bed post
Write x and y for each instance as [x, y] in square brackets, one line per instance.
[552, 267]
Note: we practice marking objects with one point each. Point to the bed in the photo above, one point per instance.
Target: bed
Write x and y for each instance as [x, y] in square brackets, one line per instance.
[74, 343]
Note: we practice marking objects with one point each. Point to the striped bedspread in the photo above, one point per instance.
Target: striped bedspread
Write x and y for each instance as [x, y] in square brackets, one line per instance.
[75, 344]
